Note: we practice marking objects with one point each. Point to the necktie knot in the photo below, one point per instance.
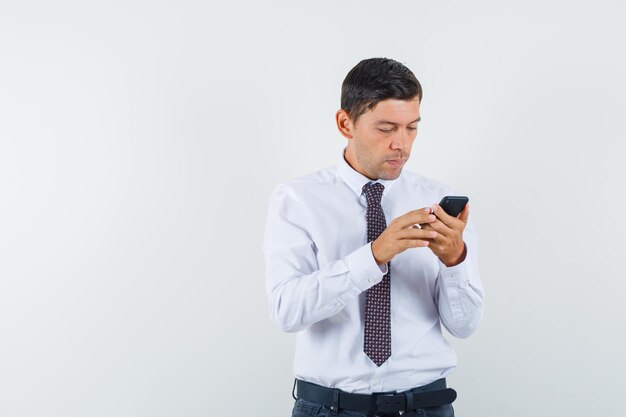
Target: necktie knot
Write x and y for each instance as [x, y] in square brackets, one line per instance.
[373, 192]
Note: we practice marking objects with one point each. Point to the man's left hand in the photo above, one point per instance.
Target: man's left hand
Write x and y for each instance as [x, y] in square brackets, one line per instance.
[448, 245]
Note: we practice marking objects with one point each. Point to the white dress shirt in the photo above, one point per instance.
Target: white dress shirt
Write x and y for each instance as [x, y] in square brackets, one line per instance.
[319, 265]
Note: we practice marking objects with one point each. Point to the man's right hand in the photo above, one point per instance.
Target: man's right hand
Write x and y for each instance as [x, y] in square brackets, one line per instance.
[400, 235]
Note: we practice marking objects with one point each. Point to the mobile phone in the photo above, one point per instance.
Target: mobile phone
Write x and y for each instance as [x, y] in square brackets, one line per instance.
[453, 204]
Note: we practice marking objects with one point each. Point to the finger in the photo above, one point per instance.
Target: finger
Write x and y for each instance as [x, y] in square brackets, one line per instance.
[438, 226]
[448, 220]
[441, 228]
[413, 243]
[410, 233]
[419, 216]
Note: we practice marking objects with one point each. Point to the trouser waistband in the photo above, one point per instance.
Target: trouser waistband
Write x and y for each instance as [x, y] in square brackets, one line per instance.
[431, 395]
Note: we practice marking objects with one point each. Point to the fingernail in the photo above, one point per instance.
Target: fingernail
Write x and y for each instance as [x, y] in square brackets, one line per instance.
[433, 207]
[427, 209]
[431, 217]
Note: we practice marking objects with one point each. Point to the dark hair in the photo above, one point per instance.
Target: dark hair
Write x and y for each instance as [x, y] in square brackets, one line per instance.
[376, 79]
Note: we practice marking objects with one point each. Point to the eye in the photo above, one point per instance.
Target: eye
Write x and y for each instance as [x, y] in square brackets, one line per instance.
[412, 128]
[386, 130]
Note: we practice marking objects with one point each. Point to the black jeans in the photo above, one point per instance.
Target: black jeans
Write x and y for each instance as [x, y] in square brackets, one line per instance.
[303, 408]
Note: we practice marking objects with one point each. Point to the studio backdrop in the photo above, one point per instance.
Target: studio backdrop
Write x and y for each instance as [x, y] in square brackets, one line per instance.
[140, 141]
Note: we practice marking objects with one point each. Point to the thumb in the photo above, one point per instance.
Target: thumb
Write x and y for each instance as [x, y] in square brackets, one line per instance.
[464, 215]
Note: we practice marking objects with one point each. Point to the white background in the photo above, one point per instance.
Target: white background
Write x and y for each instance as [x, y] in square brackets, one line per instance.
[139, 142]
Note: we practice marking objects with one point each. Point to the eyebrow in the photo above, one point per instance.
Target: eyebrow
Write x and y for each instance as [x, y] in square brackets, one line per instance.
[387, 122]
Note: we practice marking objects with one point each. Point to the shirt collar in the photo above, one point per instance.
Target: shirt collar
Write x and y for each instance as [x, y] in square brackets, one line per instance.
[356, 180]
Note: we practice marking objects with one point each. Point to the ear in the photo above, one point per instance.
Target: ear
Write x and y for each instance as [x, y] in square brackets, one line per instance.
[344, 124]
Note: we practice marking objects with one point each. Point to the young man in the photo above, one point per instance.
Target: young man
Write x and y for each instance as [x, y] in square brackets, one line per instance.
[365, 266]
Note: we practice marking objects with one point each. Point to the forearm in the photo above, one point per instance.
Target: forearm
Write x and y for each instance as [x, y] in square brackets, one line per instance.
[460, 298]
[461, 308]
[298, 300]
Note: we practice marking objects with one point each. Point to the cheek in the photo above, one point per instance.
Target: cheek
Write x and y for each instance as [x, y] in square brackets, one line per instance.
[375, 145]
[411, 142]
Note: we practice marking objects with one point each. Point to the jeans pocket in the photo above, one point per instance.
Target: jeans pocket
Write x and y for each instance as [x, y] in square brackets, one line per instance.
[304, 408]
[445, 410]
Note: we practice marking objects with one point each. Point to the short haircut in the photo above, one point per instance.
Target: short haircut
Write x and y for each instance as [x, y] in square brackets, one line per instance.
[373, 80]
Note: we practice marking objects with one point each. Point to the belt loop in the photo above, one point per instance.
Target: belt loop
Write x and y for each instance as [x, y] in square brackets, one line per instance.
[335, 407]
[293, 390]
[410, 401]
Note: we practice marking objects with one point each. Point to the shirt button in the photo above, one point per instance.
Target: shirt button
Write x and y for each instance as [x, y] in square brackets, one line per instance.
[338, 304]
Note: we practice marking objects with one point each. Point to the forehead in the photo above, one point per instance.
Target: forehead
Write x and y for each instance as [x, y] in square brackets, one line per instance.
[394, 110]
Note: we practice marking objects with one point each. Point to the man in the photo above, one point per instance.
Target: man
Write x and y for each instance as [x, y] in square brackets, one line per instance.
[365, 266]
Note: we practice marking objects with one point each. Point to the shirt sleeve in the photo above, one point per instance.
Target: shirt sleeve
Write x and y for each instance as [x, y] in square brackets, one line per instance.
[299, 292]
[459, 291]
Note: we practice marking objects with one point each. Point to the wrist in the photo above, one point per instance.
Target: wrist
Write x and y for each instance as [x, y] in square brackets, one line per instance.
[379, 261]
[454, 261]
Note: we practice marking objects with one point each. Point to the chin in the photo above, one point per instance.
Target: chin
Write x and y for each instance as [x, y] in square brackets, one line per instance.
[391, 176]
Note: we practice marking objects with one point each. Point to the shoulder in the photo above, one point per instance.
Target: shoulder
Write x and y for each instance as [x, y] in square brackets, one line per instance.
[308, 184]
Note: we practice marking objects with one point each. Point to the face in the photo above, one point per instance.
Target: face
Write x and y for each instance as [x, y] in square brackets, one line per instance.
[379, 143]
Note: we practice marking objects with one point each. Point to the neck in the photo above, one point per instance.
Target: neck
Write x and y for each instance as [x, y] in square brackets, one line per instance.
[350, 158]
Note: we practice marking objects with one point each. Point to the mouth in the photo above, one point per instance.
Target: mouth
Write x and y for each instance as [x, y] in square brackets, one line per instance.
[395, 162]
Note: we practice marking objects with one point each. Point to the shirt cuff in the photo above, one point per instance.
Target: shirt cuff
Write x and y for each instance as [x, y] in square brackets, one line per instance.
[364, 271]
[457, 275]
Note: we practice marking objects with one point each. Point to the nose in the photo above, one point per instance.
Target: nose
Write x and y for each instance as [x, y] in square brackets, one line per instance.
[401, 140]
